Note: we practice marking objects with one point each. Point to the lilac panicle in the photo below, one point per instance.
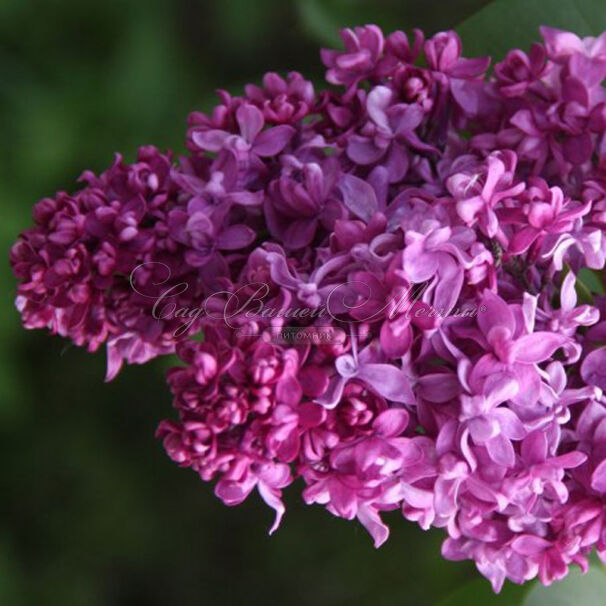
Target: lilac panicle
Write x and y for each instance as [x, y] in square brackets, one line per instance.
[424, 227]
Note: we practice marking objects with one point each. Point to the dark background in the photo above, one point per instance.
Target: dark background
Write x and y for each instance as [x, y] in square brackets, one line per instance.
[93, 512]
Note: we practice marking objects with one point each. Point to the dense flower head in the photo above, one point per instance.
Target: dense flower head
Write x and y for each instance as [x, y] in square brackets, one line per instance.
[390, 290]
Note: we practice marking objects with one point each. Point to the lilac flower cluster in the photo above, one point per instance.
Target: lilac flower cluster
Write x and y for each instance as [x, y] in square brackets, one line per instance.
[419, 184]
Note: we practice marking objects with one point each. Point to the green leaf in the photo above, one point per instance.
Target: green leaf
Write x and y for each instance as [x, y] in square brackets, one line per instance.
[583, 292]
[323, 19]
[480, 592]
[576, 589]
[592, 280]
[318, 22]
[588, 284]
[507, 24]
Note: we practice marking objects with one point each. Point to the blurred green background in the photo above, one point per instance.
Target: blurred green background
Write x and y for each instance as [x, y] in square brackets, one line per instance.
[93, 512]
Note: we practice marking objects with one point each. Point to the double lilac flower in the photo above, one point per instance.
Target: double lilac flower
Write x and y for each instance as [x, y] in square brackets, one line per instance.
[379, 289]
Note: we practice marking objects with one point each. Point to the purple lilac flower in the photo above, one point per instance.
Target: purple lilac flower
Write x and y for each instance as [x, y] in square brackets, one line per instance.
[424, 230]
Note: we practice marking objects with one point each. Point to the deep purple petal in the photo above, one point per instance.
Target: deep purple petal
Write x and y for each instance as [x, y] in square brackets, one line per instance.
[359, 197]
[273, 140]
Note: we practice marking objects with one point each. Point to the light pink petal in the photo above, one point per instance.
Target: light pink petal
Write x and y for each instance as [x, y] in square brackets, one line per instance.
[501, 451]
[371, 520]
[510, 425]
[210, 140]
[245, 198]
[522, 240]
[366, 454]
[273, 498]
[332, 396]
[449, 287]
[570, 460]
[560, 43]
[378, 101]
[496, 169]
[598, 478]
[396, 337]
[391, 423]
[439, 387]
[469, 208]
[114, 362]
[343, 499]
[483, 428]
[500, 389]
[524, 121]
[445, 496]
[593, 368]
[418, 264]
[495, 312]
[529, 545]
[534, 448]
[232, 492]
[388, 381]
[568, 295]
[538, 347]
